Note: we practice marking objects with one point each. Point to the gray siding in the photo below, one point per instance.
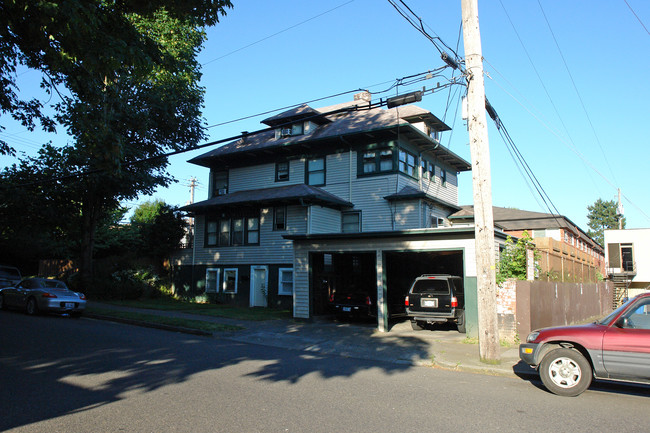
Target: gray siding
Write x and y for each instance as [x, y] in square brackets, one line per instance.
[324, 220]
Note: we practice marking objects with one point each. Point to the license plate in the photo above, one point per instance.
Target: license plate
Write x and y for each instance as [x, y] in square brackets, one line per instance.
[347, 309]
[69, 305]
[429, 303]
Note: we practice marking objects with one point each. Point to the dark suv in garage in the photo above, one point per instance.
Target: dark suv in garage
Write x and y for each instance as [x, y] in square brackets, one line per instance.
[436, 298]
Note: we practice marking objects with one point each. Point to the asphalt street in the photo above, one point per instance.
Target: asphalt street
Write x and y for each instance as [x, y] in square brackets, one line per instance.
[59, 374]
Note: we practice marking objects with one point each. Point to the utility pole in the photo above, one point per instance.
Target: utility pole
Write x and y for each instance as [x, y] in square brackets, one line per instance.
[488, 329]
[619, 211]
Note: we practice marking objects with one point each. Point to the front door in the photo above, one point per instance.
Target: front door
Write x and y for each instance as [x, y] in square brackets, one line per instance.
[259, 286]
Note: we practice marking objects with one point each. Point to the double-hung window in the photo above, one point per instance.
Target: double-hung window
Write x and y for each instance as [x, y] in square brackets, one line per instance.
[315, 172]
[252, 231]
[280, 218]
[225, 232]
[211, 233]
[407, 163]
[376, 161]
[351, 222]
[443, 177]
[219, 183]
[230, 280]
[285, 281]
[211, 280]
[282, 171]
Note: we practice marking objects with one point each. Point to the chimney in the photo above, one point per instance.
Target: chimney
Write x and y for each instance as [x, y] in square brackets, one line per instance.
[363, 96]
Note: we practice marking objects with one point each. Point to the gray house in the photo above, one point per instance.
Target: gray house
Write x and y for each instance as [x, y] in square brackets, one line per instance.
[323, 199]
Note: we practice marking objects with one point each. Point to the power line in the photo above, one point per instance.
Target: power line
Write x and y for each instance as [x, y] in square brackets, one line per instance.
[575, 87]
[278, 33]
[83, 173]
[637, 17]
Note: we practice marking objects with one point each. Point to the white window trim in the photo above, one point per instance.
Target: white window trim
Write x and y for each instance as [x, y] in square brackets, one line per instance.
[280, 291]
[216, 285]
[223, 283]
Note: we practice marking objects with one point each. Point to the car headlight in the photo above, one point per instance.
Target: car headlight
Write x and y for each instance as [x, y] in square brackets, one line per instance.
[532, 336]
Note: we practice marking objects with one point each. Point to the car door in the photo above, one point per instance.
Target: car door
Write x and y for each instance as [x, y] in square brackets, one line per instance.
[12, 295]
[626, 343]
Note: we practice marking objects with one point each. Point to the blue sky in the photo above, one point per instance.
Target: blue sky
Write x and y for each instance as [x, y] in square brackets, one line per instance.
[567, 78]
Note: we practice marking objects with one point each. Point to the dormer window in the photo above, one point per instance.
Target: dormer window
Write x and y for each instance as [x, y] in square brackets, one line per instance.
[219, 183]
[290, 130]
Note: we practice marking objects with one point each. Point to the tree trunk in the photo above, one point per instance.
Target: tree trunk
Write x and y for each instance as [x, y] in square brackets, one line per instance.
[90, 212]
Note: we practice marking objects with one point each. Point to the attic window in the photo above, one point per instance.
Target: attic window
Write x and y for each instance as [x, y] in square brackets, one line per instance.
[290, 130]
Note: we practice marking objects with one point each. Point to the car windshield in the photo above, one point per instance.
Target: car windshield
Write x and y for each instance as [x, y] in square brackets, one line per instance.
[53, 284]
[607, 319]
[9, 273]
[438, 287]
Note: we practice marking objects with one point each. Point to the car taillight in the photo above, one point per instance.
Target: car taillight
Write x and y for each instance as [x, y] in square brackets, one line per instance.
[368, 300]
[332, 297]
[82, 296]
[454, 301]
[48, 295]
[406, 301]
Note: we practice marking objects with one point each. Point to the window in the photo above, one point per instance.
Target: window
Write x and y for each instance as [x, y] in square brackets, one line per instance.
[211, 280]
[224, 233]
[285, 281]
[297, 129]
[423, 167]
[316, 171]
[432, 171]
[230, 280]
[351, 222]
[238, 231]
[443, 177]
[386, 160]
[219, 183]
[280, 218]
[211, 233]
[369, 162]
[407, 163]
[282, 171]
[374, 161]
[253, 231]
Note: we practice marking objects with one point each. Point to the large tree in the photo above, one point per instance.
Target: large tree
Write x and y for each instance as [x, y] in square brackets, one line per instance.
[127, 78]
[160, 229]
[602, 215]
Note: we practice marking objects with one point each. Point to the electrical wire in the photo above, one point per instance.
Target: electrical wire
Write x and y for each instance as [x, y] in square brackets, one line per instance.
[637, 17]
[575, 87]
[278, 33]
[83, 173]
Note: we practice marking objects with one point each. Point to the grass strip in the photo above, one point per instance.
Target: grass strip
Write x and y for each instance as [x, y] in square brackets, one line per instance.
[215, 310]
[164, 320]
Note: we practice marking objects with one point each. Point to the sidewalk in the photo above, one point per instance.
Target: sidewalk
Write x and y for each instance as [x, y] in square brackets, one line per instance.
[443, 348]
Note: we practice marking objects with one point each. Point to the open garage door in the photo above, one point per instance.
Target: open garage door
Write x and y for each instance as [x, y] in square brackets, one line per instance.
[403, 267]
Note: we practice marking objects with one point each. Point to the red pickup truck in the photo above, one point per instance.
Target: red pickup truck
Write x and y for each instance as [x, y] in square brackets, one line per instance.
[616, 347]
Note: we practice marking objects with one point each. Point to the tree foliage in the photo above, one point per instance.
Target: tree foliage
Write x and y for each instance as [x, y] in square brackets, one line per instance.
[602, 215]
[514, 258]
[127, 78]
[160, 228]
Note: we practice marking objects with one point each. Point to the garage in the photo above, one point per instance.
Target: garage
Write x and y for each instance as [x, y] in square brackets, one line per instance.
[384, 264]
[356, 272]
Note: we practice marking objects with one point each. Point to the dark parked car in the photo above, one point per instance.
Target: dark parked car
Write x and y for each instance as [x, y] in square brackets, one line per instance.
[436, 298]
[353, 303]
[615, 348]
[9, 276]
[41, 294]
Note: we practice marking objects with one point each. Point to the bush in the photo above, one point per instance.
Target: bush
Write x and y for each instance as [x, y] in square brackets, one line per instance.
[127, 284]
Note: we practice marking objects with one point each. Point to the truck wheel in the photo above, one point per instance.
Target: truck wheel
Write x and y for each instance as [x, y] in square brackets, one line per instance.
[565, 372]
[461, 322]
[416, 326]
